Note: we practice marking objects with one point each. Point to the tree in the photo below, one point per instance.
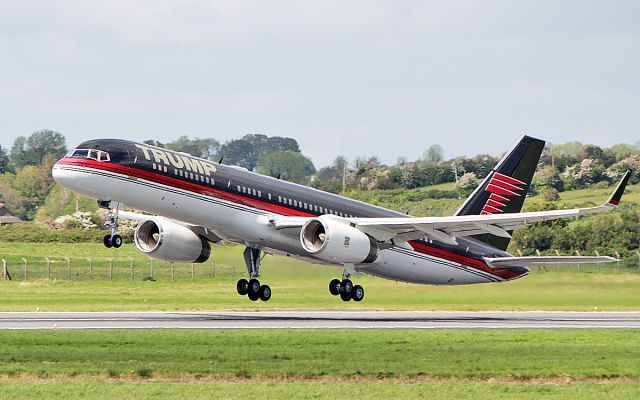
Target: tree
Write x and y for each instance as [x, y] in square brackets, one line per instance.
[289, 165]
[203, 148]
[467, 184]
[247, 150]
[152, 142]
[4, 161]
[434, 154]
[33, 149]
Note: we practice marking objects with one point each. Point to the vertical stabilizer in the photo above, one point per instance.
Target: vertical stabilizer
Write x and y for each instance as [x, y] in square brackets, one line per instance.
[506, 186]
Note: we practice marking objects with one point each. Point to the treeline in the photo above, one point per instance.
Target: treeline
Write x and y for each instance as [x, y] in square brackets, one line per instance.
[29, 191]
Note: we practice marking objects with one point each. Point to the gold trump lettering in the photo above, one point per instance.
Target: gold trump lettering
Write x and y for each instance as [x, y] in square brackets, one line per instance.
[176, 160]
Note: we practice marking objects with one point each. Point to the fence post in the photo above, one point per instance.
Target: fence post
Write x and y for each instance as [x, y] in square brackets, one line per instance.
[26, 268]
[558, 264]
[173, 271]
[48, 267]
[193, 271]
[578, 254]
[598, 262]
[213, 269]
[68, 268]
[638, 253]
[131, 266]
[110, 268]
[618, 262]
[151, 259]
[90, 268]
[5, 270]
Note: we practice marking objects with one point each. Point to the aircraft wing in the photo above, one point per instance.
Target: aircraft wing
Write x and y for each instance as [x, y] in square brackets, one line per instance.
[446, 229]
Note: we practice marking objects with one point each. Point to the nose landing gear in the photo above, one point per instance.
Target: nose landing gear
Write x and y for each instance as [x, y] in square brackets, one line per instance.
[252, 288]
[113, 240]
[345, 288]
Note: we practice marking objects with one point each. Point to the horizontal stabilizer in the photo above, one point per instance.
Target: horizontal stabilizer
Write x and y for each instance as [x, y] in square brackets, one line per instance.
[525, 261]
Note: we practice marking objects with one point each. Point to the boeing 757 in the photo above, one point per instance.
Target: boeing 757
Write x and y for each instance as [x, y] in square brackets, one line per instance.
[194, 202]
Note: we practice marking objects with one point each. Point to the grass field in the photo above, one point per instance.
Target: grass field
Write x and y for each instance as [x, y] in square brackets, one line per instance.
[315, 364]
[295, 284]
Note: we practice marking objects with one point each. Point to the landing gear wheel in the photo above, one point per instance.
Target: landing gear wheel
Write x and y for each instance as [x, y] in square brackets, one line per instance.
[357, 294]
[107, 241]
[253, 296]
[242, 287]
[265, 293]
[116, 241]
[345, 296]
[346, 286]
[334, 287]
[254, 286]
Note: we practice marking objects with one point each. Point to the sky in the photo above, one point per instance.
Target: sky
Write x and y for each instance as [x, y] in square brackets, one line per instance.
[358, 78]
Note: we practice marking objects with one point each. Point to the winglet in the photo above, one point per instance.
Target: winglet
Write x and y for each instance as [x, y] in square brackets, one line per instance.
[617, 194]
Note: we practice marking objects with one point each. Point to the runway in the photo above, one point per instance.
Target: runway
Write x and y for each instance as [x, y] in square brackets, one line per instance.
[319, 320]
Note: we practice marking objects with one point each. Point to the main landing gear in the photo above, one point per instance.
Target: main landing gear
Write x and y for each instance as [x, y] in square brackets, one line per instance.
[252, 288]
[345, 288]
[113, 240]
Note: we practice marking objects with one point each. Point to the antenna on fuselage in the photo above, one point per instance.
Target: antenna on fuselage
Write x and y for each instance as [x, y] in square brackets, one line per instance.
[221, 158]
[278, 177]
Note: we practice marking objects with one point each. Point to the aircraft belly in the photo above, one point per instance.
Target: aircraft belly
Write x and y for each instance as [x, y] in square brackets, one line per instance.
[402, 266]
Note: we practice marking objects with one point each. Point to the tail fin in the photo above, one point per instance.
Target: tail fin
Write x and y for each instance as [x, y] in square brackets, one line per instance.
[506, 186]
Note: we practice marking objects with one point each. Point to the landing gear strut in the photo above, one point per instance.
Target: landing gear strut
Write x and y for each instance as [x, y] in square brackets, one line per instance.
[113, 240]
[345, 288]
[252, 287]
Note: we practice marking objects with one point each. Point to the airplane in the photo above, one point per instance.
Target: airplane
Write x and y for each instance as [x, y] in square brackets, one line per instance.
[195, 202]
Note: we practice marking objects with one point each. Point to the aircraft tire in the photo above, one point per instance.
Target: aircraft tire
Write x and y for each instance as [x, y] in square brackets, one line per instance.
[242, 287]
[265, 293]
[253, 296]
[346, 286]
[254, 286]
[107, 241]
[357, 294]
[116, 241]
[345, 296]
[334, 287]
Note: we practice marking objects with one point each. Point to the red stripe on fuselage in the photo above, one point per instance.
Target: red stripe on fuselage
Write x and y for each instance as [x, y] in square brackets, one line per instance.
[180, 184]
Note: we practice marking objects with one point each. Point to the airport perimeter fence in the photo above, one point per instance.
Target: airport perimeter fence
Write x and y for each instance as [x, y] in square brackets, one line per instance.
[112, 269]
[137, 269]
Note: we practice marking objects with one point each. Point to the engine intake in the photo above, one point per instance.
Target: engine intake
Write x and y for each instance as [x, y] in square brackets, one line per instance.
[169, 241]
[336, 241]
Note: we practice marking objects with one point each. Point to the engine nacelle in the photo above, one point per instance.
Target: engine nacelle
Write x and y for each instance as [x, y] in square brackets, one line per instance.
[336, 241]
[169, 241]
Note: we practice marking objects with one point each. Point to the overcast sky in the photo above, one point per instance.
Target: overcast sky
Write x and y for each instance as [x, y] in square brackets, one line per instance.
[359, 78]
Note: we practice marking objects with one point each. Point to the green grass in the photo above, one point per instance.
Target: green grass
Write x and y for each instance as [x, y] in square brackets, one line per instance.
[508, 355]
[295, 284]
[98, 389]
[342, 364]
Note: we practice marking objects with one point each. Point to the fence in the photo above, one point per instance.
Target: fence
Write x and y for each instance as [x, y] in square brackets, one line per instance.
[88, 268]
[111, 269]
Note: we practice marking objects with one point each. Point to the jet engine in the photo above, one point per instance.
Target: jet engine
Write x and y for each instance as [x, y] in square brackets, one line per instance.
[334, 240]
[169, 241]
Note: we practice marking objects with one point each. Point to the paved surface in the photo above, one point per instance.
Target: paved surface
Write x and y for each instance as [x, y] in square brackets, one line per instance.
[318, 319]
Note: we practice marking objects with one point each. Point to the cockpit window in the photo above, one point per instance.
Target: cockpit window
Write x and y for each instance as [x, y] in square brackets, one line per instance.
[93, 154]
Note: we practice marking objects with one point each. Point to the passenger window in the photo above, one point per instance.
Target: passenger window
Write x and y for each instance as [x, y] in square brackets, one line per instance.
[213, 181]
[244, 189]
[295, 203]
[254, 192]
[259, 194]
[180, 172]
[290, 202]
[238, 188]
[154, 166]
[165, 168]
[269, 196]
[207, 179]
[279, 199]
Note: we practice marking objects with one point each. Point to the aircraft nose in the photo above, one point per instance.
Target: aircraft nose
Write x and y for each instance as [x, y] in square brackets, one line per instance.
[64, 177]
